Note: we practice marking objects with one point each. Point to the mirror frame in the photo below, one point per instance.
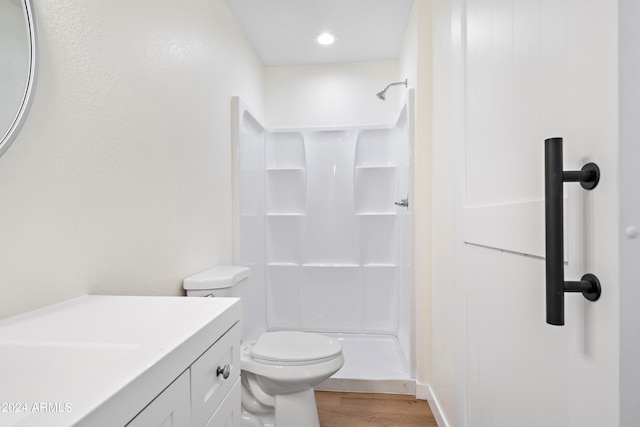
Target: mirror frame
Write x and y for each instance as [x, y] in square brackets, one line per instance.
[25, 105]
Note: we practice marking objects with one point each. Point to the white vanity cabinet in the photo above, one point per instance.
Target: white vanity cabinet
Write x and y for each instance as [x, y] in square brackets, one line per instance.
[201, 394]
[228, 413]
[171, 408]
[123, 361]
[209, 387]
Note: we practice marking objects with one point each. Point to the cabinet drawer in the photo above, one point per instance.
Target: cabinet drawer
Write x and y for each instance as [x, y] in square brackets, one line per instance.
[208, 385]
[169, 409]
[229, 412]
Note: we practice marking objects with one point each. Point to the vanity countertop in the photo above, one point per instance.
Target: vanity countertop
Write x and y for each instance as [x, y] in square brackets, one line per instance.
[97, 358]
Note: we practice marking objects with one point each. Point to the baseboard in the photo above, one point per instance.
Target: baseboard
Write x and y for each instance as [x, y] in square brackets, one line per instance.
[424, 392]
[368, 386]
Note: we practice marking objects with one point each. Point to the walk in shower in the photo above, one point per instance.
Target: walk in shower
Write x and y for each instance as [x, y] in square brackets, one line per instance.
[321, 218]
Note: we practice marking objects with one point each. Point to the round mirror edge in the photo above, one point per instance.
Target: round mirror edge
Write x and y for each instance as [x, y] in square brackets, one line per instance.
[15, 127]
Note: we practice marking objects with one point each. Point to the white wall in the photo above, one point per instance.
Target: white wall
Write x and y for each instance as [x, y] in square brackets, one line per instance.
[332, 95]
[120, 181]
[443, 358]
[415, 64]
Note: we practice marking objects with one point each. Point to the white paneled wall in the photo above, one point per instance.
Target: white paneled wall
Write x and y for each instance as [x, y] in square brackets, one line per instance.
[522, 71]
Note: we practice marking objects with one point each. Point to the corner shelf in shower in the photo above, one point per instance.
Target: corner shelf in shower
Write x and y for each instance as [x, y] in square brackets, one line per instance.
[330, 264]
[278, 214]
[276, 168]
[379, 265]
[284, 150]
[375, 166]
[286, 190]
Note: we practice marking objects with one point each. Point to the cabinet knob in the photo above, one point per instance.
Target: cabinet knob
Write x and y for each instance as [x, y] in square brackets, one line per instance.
[224, 371]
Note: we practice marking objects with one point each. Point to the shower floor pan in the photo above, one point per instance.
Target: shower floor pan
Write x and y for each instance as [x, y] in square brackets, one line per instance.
[372, 364]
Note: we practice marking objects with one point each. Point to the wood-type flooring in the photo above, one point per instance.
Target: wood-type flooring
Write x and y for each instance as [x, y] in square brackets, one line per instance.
[372, 410]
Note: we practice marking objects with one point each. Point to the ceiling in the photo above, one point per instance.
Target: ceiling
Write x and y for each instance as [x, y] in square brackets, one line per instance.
[283, 31]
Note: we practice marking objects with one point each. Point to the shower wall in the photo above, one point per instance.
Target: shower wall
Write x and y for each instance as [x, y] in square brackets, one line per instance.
[335, 245]
[331, 231]
[248, 150]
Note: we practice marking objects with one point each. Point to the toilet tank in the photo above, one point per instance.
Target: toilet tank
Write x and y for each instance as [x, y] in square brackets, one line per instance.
[220, 281]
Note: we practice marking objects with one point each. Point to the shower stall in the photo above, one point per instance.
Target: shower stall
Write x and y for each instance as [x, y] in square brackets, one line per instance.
[322, 218]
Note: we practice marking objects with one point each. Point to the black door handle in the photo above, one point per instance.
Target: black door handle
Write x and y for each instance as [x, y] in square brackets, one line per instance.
[554, 177]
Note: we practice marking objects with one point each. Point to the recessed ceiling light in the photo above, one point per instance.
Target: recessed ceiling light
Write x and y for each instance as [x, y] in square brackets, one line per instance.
[325, 39]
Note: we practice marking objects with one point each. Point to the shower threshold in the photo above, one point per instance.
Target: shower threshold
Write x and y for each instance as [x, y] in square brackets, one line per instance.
[372, 364]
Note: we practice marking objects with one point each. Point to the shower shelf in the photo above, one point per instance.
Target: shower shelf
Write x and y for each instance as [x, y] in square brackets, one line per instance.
[286, 191]
[329, 264]
[276, 168]
[375, 166]
[376, 214]
[379, 264]
[283, 264]
[286, 214]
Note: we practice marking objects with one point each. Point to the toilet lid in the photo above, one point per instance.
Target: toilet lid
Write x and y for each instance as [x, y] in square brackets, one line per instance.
[294, 347]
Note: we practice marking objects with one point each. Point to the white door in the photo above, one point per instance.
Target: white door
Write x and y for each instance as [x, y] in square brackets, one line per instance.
[536, 69]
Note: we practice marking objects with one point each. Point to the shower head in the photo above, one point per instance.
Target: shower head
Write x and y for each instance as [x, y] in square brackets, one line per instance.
[383, 94]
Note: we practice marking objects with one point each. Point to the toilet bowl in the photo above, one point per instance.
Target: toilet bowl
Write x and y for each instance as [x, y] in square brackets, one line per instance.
[279, 369]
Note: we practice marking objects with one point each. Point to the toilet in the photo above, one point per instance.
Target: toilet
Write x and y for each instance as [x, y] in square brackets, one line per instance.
[279, 369]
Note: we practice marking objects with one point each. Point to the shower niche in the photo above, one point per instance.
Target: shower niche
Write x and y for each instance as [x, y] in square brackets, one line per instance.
[285, 195]
[336, 246]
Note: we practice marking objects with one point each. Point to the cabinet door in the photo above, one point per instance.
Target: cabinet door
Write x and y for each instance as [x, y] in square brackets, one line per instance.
[208, 383]
[229, 412]
[171, 408]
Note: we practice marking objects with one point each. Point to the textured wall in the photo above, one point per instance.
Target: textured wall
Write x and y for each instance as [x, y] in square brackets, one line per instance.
[119, 182]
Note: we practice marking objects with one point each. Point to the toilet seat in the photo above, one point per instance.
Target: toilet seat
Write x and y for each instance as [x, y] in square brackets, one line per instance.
[291, 358]
[294, 348]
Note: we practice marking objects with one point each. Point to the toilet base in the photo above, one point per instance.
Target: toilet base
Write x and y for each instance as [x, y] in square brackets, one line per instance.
[297, 409]
[252, 420]
[290, 410]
